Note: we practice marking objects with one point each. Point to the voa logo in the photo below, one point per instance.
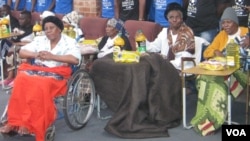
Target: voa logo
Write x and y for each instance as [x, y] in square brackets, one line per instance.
[192, 3]
[239, 2]
[236, 132]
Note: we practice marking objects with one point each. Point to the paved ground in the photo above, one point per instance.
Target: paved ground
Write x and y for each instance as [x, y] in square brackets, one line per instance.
[94, 130]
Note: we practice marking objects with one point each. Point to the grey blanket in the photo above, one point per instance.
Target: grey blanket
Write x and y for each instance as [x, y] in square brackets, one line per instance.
[145, 97]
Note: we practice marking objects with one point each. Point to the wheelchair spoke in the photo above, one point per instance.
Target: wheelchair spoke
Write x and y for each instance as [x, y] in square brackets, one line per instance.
[79, 103]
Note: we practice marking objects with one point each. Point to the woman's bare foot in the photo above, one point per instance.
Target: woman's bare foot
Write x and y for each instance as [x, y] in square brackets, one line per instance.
[23, 130]
[7, 129]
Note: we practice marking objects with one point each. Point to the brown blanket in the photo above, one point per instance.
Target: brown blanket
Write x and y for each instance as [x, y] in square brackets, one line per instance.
[145, 96]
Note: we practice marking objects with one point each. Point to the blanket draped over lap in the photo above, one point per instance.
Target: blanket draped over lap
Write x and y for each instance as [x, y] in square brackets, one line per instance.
[145, 97]
[32, 99]
[211, 111]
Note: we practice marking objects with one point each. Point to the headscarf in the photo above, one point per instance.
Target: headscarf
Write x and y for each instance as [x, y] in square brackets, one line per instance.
[117, 24]
[53, 19]
[46, 14]
[72, 18]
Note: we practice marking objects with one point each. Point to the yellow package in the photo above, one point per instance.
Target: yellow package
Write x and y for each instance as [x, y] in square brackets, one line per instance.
[126, 56]
[89, 42]
[213, 64]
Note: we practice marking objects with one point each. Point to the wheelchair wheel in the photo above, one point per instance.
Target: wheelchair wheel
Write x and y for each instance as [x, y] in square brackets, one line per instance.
[79, 100]
[50, 133]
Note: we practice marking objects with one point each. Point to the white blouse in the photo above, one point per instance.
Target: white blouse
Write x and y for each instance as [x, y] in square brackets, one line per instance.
[107, 48]
[66, 46]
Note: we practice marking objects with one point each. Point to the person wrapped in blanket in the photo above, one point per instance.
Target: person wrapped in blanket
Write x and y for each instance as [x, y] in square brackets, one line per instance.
[31, 106]
[211, 109]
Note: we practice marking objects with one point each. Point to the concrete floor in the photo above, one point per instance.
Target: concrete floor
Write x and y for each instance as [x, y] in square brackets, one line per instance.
[94, 130]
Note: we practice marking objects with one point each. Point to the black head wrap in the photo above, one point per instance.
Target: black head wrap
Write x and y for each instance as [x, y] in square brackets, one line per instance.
[53, 19]
[174, 6]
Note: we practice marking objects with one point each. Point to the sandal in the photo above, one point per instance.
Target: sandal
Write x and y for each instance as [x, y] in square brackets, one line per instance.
[23, 131]
[7, 129]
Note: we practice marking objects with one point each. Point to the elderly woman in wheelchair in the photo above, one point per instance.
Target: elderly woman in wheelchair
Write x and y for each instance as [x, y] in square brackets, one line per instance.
[31, 108]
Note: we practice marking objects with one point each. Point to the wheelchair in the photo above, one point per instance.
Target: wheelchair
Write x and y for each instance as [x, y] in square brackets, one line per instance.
[77, 104]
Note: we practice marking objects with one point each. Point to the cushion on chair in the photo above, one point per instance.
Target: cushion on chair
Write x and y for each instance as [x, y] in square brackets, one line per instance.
[150, 30]
[93, 27]
[15, 13]
[60, 16]
[35, 17]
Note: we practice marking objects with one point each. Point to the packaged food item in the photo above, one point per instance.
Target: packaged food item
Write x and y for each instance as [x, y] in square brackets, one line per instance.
[216, 63]
[124, 56]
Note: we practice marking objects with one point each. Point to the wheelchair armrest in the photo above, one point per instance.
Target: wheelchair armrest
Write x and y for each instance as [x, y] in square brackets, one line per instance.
[88, 60]
[187, 59]
[89, 57]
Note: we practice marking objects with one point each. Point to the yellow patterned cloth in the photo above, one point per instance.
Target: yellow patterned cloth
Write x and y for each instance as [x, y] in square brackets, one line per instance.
[211, 109]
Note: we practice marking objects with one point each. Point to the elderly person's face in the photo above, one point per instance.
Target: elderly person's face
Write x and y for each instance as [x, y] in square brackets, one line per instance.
[52, 31]
[111, 31]
[175, 19]
[229, 26]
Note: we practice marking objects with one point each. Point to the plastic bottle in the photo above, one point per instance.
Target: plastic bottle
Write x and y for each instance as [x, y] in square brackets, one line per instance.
[72, 33]
[5, 27]
[65, 31]
[37, 28]
[119, 41]
[1, 35]
[233, 54]
[118, 46]
[140, 39]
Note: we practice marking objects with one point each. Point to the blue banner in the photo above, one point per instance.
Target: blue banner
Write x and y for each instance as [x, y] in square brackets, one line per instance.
[108, 8]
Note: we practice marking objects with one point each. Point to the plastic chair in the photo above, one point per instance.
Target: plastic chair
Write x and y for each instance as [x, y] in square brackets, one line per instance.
[35, 17]
[93, 27]
[196, 59]
[149, 29]
[199, 42]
